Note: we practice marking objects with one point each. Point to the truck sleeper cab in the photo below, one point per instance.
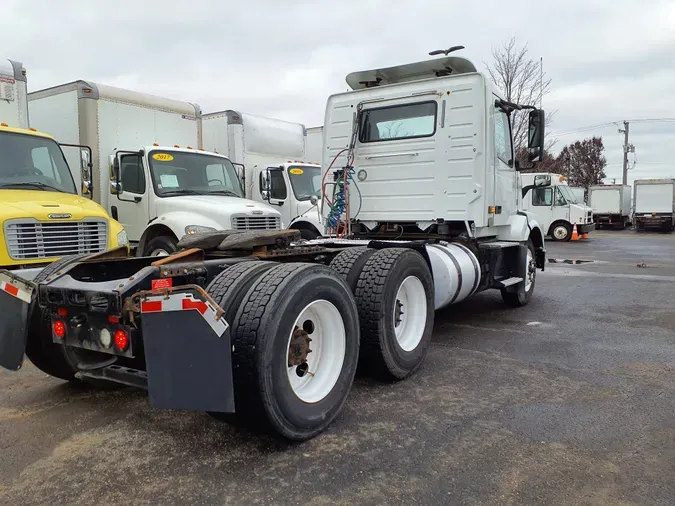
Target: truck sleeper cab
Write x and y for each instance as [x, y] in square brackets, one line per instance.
[270, 327]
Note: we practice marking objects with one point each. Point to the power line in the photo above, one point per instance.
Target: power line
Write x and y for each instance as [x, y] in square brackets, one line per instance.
[611, 123]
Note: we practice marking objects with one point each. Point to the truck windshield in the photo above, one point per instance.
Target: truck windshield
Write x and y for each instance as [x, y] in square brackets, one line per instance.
[567, 196]
[305, 180]
[32, 162]
[183, 173]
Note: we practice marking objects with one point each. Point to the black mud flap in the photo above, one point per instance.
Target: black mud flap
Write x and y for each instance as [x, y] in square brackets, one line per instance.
[16, 296]
[518, 257]
[187, 352]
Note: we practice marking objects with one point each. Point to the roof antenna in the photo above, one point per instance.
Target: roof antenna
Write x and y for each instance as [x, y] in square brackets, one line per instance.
[445, 51]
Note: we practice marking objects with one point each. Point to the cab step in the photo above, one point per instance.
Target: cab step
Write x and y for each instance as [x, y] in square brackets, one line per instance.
[503, 283]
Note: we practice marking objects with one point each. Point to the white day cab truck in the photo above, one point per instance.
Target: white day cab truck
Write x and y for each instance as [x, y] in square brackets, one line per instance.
[654, 204]
[267, 145]
[611, 205]
[42, 217]
[549, 197]
[260, 327]
[147, 169]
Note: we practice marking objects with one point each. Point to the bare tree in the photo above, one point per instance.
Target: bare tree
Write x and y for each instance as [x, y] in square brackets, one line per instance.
[518, 79]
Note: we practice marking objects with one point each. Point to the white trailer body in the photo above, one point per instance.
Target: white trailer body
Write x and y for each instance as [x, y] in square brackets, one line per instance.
[13, 94]
[126, 128]
[263, 145]
[314, 144]
[610, 204]
[654, 203]
[555, 205]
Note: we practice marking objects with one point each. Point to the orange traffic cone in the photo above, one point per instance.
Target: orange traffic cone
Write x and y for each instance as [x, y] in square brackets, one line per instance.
[584, 235]
[575, 234]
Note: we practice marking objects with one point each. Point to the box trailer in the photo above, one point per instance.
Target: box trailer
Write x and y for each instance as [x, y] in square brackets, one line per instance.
[611, 205]
[147, 168]
[654, 204]
[13, 94]
[314, 144]
[275, 150]
[266, 329]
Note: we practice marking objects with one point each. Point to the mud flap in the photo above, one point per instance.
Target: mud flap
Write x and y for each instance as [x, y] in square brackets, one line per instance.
[188, 354]
[518, 256]
[16, 295]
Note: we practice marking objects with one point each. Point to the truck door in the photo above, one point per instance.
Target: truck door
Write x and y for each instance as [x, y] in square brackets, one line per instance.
[278, 192]
[506, 177]
[131, 206]
[542, 205]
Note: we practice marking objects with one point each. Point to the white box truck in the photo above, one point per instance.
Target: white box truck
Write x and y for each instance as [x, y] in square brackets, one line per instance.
[654, 204]
[147, 168]
[13, 94]
[277, 343]
[314, 144]
[555, 205]
[611, 205]
[270, 149]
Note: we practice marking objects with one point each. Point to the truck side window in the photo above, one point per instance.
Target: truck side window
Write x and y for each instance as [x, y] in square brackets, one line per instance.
[278, 185]
[542, 197]
[42, 161]
[132, 176]
[503, 146]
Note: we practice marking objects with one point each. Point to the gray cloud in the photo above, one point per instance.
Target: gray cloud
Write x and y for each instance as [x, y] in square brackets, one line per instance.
[608, 60]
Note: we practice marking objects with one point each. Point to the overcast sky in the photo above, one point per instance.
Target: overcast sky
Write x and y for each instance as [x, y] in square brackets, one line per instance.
[609, 60]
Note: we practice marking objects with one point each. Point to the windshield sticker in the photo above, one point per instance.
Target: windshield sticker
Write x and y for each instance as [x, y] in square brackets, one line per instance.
[296, 171]
[169, 181]
[162, 157]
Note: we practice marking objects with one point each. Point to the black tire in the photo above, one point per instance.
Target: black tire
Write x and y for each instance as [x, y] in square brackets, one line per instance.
[563, 225]
[522, 297]
[44, 353]
[376, 293]
[166, 243]
[349, 264]
[264, 398]
[307, 234]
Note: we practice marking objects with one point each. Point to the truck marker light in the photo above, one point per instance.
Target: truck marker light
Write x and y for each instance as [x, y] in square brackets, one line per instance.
[185, 302]
[113, 319]
[59, 328]
[62, 311]
[121, 340]
[4, 124]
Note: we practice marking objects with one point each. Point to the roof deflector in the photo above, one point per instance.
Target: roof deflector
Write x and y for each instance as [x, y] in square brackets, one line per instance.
[438, 67]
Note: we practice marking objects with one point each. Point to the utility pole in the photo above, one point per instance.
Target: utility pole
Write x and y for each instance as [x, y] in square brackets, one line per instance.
[627, 148]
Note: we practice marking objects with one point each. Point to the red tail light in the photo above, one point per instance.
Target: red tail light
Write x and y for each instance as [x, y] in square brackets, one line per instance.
[59, 328]
[121, 340]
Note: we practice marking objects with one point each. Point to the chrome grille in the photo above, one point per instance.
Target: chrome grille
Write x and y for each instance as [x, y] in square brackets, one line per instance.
[256, 223]
[32, 239]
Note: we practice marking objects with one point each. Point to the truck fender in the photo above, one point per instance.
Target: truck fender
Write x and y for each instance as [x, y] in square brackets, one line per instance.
[537, 238]
[174, 222]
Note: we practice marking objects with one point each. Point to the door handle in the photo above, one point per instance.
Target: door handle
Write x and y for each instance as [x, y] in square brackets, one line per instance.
[370, 157]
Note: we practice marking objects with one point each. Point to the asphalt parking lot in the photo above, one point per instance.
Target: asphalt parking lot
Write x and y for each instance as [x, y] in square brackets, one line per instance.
[570, 400]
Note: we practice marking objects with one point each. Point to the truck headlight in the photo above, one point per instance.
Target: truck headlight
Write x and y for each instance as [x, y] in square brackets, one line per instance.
[196, 229]
[122, 238]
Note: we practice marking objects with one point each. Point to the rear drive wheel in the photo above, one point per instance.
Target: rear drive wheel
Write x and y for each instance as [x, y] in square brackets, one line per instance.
[395, 297]
[349, 264]
[296, 345]
[161, 246]
[525, 289]
[561, 231]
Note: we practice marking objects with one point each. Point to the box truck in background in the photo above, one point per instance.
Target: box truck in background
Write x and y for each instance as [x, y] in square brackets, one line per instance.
[610, 204]
[654, 204]
[314, 144]
[270, 150]
[554, 204]
[147, 169]
[42, 217]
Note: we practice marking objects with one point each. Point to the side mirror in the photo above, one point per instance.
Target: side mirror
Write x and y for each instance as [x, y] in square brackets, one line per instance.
[116, 187]
[115, 184]
[265, 195]
[85, 172]
[314, 200]
[535, 136]
[265, 181]
[241, 173]
[543, 180]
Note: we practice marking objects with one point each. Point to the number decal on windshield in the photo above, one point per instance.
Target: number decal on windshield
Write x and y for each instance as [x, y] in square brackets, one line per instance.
[163, 157]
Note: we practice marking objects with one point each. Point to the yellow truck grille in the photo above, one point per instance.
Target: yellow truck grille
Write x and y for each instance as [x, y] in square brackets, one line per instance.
[256, 223]
[32, 240]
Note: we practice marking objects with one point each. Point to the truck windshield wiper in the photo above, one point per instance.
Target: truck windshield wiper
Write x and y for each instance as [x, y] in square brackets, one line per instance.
[182, 191]
[35, 184]
[226, 192]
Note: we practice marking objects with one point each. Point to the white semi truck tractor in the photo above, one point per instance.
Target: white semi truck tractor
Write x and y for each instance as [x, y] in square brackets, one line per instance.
[420, 200]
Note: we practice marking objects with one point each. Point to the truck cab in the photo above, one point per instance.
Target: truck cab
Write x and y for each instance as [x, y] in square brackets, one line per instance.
[295, 187]
[549, 197]
[161, 193]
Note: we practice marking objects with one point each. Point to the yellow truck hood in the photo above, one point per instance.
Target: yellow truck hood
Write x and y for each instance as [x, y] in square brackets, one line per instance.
[40, 205]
